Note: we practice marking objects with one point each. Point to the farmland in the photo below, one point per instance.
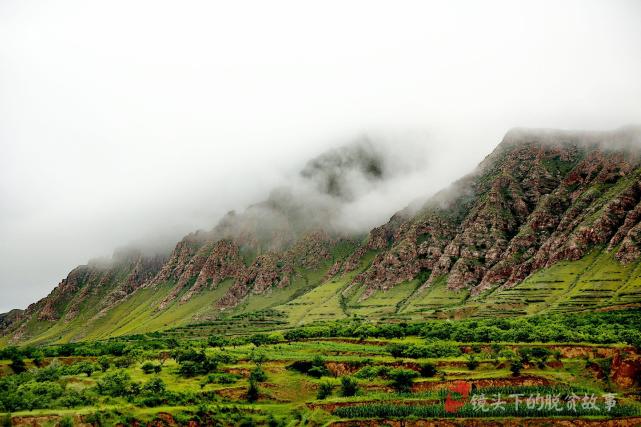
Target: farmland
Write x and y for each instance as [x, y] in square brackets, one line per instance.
[336, 373]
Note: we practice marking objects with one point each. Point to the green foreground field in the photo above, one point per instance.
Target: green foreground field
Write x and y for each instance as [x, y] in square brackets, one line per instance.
[340, 373]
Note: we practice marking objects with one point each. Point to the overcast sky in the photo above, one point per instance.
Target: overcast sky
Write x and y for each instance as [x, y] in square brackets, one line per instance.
[143, 120]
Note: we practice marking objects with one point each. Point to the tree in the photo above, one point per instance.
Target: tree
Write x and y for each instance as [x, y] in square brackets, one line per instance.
[87, 368]
[104, 363]
[116, 383]
[259, 339]
[257, 374]
[188, 369]
[402, 379]
[258, 357]
[349, 386]
[38, 358]
[252, 391]
[17, 364]
[155, 386]
[516, 366]
[472, 363]
[216, 341]
[149, 367]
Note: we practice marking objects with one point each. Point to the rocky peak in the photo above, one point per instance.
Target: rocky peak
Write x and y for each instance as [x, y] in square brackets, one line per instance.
[540, 197]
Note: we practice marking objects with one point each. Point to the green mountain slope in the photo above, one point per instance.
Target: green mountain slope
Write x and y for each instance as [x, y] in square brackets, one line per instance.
[550, 222]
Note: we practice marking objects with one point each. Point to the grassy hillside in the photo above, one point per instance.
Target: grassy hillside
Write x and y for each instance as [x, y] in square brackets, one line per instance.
[597, 281]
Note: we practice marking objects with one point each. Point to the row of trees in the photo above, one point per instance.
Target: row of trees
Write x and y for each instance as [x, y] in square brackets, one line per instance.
[601, 328]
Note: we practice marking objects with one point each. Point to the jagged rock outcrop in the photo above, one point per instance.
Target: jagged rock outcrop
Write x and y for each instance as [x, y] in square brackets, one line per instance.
[94, 288]
[539, 198]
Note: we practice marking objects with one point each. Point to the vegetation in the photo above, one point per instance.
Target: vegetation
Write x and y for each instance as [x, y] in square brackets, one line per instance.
[357, 368]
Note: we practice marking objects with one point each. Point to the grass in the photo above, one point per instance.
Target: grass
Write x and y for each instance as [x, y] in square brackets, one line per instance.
[292, 395]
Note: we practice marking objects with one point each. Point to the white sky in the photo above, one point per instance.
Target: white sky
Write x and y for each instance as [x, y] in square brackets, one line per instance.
[128, 120]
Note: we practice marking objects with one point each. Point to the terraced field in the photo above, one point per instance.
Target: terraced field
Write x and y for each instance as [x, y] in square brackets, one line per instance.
[340, 381]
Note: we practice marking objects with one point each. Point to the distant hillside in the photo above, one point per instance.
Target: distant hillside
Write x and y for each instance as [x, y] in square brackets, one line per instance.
[549, 222]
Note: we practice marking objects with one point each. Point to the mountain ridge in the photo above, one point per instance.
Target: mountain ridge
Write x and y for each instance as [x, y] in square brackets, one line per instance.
[540, 199]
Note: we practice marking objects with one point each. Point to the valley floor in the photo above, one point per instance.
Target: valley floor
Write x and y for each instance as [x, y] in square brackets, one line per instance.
[338, 381]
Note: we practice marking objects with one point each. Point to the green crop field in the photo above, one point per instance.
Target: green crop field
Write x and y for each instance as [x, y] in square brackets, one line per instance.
[544, 368]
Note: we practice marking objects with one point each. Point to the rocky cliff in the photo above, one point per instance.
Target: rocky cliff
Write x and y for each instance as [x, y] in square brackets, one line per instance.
[539, 198]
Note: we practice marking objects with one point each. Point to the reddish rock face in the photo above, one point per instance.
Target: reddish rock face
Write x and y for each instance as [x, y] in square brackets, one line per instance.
[536, 200]
[84, 281]
[539, 198]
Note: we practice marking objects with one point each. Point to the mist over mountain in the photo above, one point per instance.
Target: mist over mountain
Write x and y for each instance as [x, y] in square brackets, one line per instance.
[540, 201]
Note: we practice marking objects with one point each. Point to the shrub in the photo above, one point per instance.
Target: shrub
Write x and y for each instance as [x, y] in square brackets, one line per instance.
[258, 357]
[324, 390]
[314, 368]
[149, 368]
[427, 370]
[17, 364]
[252, 391]
[103, 362]
[50, 373]
[154, 386]
[370, 372]
[66, 422]
[507, 354]
[220, 379]
[402, 379]
[87, 368]
[116, 383]
[431, 350]
[188, 369]
[123, 362]
[472, 363]
[516, 366]
[257, 374]
[38, 358]
[349, 386]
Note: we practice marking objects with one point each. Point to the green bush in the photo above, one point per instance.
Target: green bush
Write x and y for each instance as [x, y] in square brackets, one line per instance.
[86, 368]
[116, 383]
[324, 390]
[402, 379]
[371, 372]
[257, 374]
[66, 422]
[429, 350]
[149, 367]
[155, 386]
[253, 391]
[314, 368]
[349, 386]
[427, 370]
[472, 363]
[104, 363]
[516, 366]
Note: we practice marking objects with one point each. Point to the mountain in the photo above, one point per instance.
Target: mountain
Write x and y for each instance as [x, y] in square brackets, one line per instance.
[550, 221]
